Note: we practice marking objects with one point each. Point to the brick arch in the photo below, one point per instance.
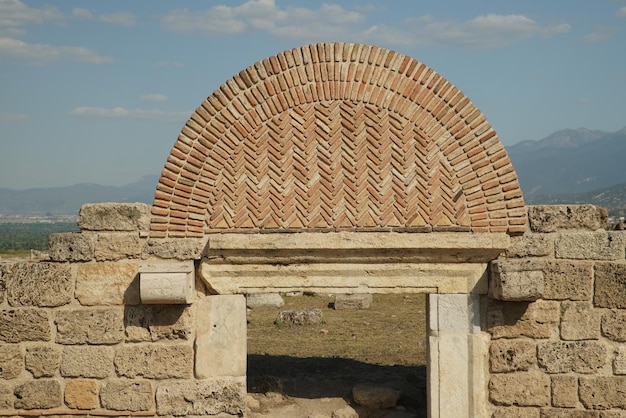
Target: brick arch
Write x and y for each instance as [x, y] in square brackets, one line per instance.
[332, 137]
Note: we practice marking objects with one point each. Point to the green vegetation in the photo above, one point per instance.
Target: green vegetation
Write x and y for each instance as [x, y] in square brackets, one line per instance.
[15, 237]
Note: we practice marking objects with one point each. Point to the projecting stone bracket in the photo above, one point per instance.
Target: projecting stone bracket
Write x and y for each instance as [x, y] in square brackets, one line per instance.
[167, 283]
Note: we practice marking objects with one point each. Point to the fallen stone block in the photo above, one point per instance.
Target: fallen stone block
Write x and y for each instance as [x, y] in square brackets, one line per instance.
[354, 301]
[375, 397]
[264, 300]
[305, 317]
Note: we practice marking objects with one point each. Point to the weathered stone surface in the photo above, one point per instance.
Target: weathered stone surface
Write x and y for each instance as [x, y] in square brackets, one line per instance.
[71, 246]
[375, 397]
[39, 284]
[112, 246]
[97, 326]
[520, 389]
[516, 280]
[568, 413]
[43, 360]
[571, 356]
[602, 392]
[304, 317]
[512, 355]
[25, 324]
[264, 300]
[154, 362]
[38, 394]
[614, 325]
[114, 217]
[108, 283]
[567, 279]
[127, 395]
[579, 321]
[353, 301]
[81, 394]
[3, 281]
[176, 248]
[11, 361]
[204, 397]
[602, 245]
[619, 361]
[158, 322]
[610, 285]
[612, 414]
[522, 319]
[91, 361]
[531, 245]
[515, 412]
[565, 391]
[550, 218]
[345, 412]
[6, 396]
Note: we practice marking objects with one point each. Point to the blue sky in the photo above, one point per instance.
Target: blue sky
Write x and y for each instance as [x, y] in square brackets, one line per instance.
[97, 91]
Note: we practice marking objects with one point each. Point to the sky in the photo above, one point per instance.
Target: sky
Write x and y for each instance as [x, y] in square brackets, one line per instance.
[96, 91]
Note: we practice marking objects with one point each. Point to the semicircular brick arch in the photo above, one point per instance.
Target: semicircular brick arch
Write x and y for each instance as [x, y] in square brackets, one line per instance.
[333, 137]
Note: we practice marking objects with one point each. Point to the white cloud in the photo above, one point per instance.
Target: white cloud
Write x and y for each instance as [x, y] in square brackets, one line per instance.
[42, 53]
[621, 12]
[12, 117]
[153, 98]
[122, 113]
[125, 19]
[16, 13]
[602, 33]
[82, 14]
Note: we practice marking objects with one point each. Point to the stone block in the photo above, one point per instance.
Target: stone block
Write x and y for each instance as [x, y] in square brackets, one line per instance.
[522, 319]
[39, 284]
[568, 279]
[3, 287]
[264, 300]
[71, 246]
[38, 394]
[375, 397]
[353, 301]
[43, 360]
[601, 245]
[11, 361]
[114, 217]
[6, 396]
[568, 413]
[516, 280]
[531, 245]
[580, 321]
[107, 283]
[158, 322]
[602, 392]
[204, 397]
[614, 325]
[81, 394]
[512, 355]
[111, 246]
[515, 412]
[221, 342]
[565, 391]
[127, 395]
[167, 282]
[619, 361]
[302, 317]
[96, 326]
[550, 218]
[612, 414]
[154, 361]
[176, 248]
[520, 389]
[571, 356]
[25, 324]
[87, 361]
[458, 313]
[610, 285]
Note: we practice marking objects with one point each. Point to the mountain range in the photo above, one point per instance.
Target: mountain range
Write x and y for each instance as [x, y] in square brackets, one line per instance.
[569, 166]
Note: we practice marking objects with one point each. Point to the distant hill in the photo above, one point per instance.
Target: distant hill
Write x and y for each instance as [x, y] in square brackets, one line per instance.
[612, 198]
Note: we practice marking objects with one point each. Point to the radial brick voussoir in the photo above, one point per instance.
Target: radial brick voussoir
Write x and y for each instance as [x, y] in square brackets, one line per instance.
[337, 136]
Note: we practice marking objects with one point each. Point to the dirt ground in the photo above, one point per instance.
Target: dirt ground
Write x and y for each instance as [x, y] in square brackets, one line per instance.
[309, 371]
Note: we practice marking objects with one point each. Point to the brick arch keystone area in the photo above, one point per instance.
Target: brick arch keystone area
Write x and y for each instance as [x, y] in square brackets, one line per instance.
[337, 136]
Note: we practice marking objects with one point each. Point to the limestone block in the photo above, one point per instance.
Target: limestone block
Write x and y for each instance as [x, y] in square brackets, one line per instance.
[614, 325]
[568, 279]
[353, 301]
[167, 282]
[81, 394]
[303, 317]
[108, 283]
[97, 326]
[569, 413]
[25, 324]
[87, 361]
[11, 361]
[39, 284]
[3, 287]
[613, 414]
[580, 321]
[375, 397]
[610, 285]
[516, 280]
[176, 248]
[71, 246]
[345, 412]
[531, 245]
[512, 355]
[154, 361]
[522, 319]
[38, 394]
[127, 395]
[205, 397]
[602, 392]
[571, 356]
[619, 361]
[458, 313]
[112, 246]
[43, 360]
[264, 300]
[520, 388]
[221, 342]
[550, 218]
[6, 396]
[601, 245]
[114, 217]
[564, 391]
[158, 322]
[515, 412]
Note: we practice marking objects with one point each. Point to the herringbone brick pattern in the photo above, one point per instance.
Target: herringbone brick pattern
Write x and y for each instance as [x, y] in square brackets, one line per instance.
[332, 137]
